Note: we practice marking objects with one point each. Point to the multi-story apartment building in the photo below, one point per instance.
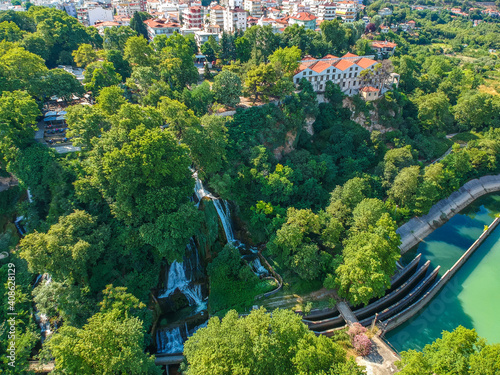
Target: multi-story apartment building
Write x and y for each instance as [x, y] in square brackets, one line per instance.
[127, 8]
[217, 16]
[69, 8]
[192, 18]
[254, 7]
[235, 19]
[161, 27]
[293, 7]
[344, 71]
[232, 4]
[326, 11]
[347, 10]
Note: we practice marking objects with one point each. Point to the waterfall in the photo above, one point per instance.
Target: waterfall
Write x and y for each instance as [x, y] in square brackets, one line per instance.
[177, 279]
[225, 217]
[199, 190]
[169, 341]
[258, 267]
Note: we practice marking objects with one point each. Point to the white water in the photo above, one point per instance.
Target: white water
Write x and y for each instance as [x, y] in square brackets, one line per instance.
[225, 217]
[177, 279]
[169, 341]
[258, 267]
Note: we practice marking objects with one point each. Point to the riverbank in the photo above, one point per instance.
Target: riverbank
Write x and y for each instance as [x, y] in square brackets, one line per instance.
[418, 228]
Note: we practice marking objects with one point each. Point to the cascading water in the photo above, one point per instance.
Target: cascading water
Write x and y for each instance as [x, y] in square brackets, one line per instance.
[177, 279]
[225, 217]
[258, 267]
[169, 341]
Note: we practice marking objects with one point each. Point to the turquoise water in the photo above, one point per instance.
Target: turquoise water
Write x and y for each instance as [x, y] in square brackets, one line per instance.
[470, 298]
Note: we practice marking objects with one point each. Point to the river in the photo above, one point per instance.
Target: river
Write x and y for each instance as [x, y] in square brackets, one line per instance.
[470, 298]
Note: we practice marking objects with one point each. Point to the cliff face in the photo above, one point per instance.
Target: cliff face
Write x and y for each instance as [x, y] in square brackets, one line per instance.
[370, 118]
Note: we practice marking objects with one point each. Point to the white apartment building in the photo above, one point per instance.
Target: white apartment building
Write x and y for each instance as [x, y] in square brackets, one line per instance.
[232, 4]
[294, 7]
[343, 71]
[217, 16]
[235, 19]
[127, 8]
[193, 18]
[347, 10]
[254, 7]
[201, 37]
[99, 14]
[326, 11]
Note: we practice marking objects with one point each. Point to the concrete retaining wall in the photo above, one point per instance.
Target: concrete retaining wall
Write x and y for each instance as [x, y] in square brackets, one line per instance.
[418, 228]
[411, 311]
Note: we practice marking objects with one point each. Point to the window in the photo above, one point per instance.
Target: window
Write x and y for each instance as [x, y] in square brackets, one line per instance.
[345, 75]
[310, 73]
[321, 87]
[350, 74]
[328, 71]
[297, 80]
[343, 84]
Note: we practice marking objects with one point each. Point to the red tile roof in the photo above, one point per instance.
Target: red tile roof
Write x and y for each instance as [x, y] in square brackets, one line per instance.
[369, 89]
[365, 62]
[320, 66]
[329, 56]
[217, 7]
[349, 54]
[384, 44]
[343, 64]
[304, 16]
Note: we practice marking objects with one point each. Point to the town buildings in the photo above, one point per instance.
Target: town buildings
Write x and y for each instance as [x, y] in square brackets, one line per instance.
[235, 19]
[345, 71]
[161, 27]
[305, 19]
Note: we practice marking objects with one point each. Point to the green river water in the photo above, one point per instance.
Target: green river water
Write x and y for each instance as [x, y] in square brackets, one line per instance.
[471, 297]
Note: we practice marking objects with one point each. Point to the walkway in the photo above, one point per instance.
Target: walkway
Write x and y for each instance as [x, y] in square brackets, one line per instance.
[346, 313]
[381, 359]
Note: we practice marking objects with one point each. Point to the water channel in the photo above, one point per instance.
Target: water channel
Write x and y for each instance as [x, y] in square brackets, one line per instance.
[470, 298]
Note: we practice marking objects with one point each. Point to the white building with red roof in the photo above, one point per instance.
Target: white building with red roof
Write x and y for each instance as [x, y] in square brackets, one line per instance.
[161, 27]
[306, 19]
[253, 7]
[217, 16]
[345, 71]
[235, 19]
[384, 47]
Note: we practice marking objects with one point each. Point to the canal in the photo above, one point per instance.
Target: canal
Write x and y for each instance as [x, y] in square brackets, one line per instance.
[470, 298]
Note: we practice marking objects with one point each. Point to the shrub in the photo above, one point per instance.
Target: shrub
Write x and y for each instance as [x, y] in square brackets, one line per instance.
[362, 344]
[356, 329]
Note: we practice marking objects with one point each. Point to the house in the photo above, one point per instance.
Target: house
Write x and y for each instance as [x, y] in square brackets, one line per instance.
[161, 27]
[384, 47]
[235, 19]
[201, 37]
[305, 19]
[326, 11]
[384, 12]
[345, 71]
[99, 14]
[369, 93]
[384, 29]
[100, 26]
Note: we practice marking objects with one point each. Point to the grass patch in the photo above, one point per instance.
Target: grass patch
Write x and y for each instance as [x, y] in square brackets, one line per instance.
[464, 137]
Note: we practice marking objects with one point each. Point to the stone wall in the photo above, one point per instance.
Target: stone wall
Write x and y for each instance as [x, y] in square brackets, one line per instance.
[414, 309]
[418, 228]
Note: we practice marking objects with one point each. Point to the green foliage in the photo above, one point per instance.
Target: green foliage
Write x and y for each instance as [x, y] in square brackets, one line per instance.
[84, 55]
[458, 352]
[227, 88]
[99, 75]
[262, 343]
[137, 23]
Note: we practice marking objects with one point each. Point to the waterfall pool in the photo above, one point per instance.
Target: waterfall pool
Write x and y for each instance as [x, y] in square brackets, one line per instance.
[470, 297]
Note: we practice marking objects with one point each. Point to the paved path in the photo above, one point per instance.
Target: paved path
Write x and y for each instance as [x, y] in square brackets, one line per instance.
[346, 313]
[381, 359]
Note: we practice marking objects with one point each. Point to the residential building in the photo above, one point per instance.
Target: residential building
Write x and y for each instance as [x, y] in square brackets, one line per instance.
[326, 11]
[100, 26]
[384, 12]
[254, 7]
[233, 4]
[293, 7]
[127, 8]
[217, 16]
[384, 29]
[69, 8]
[201, 37]
[344, 71]
[384, 47]
[369, 93]
[347, 10]
[99, 14]
[161, 27]
[193, 18]
[235, 19]
[305, 19]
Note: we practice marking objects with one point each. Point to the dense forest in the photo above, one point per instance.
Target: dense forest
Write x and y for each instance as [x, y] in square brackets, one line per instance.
[308, 183]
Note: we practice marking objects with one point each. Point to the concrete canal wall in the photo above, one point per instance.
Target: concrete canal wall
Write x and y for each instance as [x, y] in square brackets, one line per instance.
[418, 228]
[414, 309]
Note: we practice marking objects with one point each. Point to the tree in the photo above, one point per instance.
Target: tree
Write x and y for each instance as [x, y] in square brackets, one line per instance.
[84, 55]
[434, 112]
[261, 343]
[243, 49]
[369, 262]
[137, 23]
[476, 110]
[69, 250]
[334, 33]
[177, 116]
[10, 32]
[110, 100]
[405, 185]
[122, 66]
[363, 47]
[64, 85]
[367, 212]
[99, 75]
[85, 123]
[261, 81]
[108, 343]
[137, 51]
[18, 113]
[286, 59]
[458, 352]
[199, 98]
[227, 88]
[116, 37]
